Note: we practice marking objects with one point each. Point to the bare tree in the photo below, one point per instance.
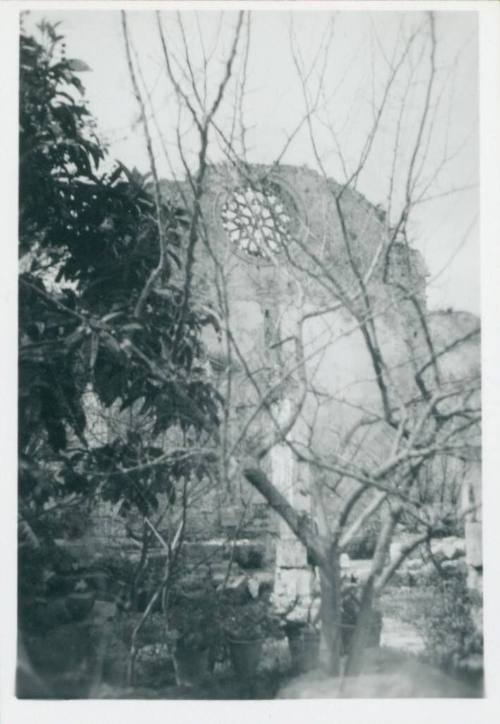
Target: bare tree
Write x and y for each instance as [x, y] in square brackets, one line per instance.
[348, 290]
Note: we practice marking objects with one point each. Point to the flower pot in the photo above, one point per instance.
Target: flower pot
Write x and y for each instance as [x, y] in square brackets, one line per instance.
[191, 666]
[245, 657]
[304, 650]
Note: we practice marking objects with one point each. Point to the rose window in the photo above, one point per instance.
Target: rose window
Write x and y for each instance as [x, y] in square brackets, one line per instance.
[258, 221]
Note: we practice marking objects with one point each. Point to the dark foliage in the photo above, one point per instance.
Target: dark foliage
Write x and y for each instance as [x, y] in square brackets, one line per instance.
[363, 545]
[89, 239]
[251, 621]
[451, 634]
[194, 619]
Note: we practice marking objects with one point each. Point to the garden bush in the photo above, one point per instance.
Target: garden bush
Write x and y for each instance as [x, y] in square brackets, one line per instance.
[449, 625]
[363, 546]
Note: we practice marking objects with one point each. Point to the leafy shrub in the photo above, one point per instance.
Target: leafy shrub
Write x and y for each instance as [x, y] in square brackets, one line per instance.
[193, 619]
[89, 242]
[363, 546]
[44, 572]
[449, 525]
[249, 557]
[450, 633]
[250, 621]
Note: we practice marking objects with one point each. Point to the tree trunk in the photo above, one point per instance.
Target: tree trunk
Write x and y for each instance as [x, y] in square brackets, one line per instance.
[331, 611]
[365, 615]
[361, 633]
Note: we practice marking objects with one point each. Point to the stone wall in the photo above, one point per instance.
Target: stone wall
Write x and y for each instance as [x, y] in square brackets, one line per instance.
[262, 297]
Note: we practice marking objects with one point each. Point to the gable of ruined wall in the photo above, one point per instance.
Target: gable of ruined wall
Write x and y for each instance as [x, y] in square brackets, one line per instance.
[318, 228]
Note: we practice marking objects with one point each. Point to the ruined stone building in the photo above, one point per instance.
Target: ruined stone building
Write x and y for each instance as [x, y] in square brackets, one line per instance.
[272, 248]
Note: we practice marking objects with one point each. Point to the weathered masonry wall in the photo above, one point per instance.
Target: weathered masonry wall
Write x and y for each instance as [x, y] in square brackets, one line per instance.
[264, 298]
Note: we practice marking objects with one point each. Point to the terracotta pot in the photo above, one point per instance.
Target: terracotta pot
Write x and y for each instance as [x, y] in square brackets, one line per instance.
[245, 657]
[304, 650]
[191, 666]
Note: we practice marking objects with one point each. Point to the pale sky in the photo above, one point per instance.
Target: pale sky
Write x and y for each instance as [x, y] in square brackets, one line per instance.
[355, 69]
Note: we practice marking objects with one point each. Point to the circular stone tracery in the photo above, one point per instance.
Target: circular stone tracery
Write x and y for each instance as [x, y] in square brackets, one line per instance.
[258, 220]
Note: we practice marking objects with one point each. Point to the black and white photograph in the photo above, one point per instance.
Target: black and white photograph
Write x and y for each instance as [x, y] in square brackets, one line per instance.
[248, 353]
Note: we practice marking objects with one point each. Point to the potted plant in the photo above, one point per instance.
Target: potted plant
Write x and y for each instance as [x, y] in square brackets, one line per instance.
[190, 657]
[303, 641]
[247, 626]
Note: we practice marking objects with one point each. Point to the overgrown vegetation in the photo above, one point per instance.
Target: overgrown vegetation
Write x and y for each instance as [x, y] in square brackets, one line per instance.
[364, 544]
[450, 625]
[101, 308]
